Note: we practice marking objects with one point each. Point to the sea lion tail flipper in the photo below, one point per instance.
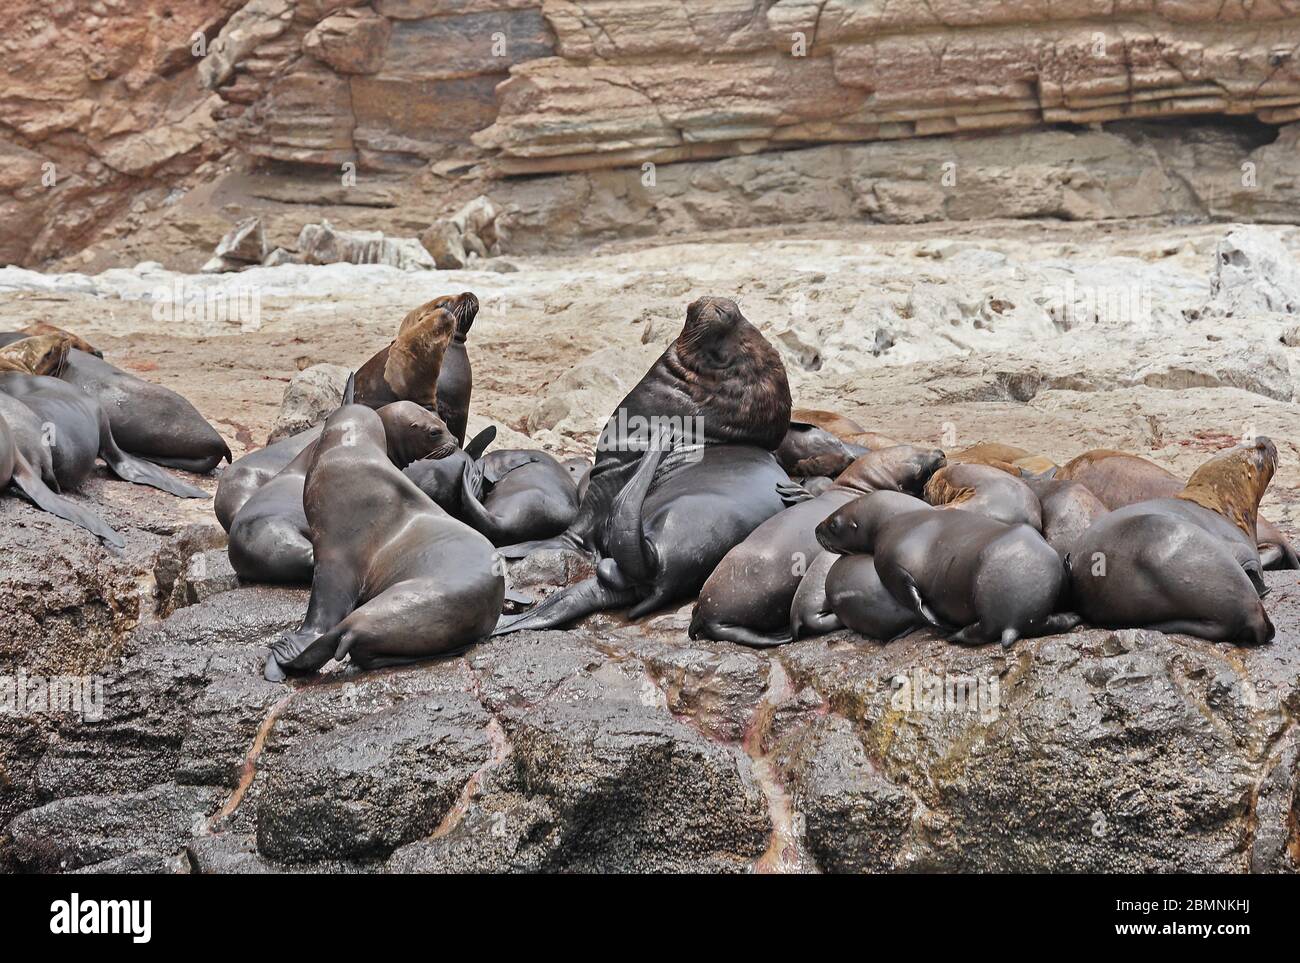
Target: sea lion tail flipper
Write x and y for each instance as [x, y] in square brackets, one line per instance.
[129, 468]
[27, 481]
[793, 493]
[565, 607]
[918, 604]
[472, 510]
[624, 536]
[740, 634]
[479, 443]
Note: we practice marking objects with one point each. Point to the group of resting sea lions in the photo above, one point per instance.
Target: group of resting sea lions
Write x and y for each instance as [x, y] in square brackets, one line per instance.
[705, 484]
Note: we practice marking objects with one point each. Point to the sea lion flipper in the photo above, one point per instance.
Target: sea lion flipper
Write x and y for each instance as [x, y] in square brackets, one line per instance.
[27, 481]
[349, 390]
[137, 470]
[921, 608]
[566, 606]
[793, 494]
[479, 443]
[624, 536]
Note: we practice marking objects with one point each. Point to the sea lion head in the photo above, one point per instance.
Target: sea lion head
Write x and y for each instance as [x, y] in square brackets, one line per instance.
[710, 318]
[41, 327]
[1233, 482]
[44, 354]
[414, 433]
[900, 468]
[465, 308]
[851, 529]
[415, 357]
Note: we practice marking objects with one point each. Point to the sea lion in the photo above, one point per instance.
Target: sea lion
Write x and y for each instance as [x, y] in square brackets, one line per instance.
[513, 495]
[440, 478]
[988, 453]
[270, 539]
[250, 472]
[1167, 563]
[871, 440]
[427, 362]
[962, 572]
[858, 600]
[807, 450]
[1068, 510]
[748, 596]
[17, 472]
[396, 578]
[842, 426]
[148, 420]
[678, 515]
[976, 487]
[810, 611]
[719, 383]
[41, 327]
[80, 431]
[43, 354]
[1119, 479]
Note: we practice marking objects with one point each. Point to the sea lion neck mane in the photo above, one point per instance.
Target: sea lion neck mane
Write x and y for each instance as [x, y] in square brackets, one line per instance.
[1233, 482]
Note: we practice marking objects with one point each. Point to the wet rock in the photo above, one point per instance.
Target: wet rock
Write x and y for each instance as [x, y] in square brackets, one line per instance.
[366, 789]
[207, 574]
[83, 830]
[309, 399]
[174, 559]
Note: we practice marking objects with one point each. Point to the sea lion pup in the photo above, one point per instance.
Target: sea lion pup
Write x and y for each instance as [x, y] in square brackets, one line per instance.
[79, 431]
[1068, 510]
[1119, 479]
[680, 513]
[719, 383]
[427, 362]
[396, 578]
[748, 596]
[270, 539]
[807, 450]
[987, 490]
[1166, 564]
[858, 600]
[19, 447]
[842, 426]
[810, 611]
[148, 420]
[512, 495]
[250, 472]
[40, 327]
[44, 354]
[963, 573]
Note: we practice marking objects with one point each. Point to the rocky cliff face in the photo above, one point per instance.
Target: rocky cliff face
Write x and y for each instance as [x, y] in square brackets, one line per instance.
[109, 111]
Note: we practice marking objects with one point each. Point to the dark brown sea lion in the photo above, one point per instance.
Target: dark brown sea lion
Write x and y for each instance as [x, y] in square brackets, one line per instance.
[1167, 564]
[962, 572]
[250, 472]
[427, 362]
[719, 383]
[148, 420]
[807, 450]
[80, 431]
[396, 578]
[986, 489]
[512, 495]
[19, 447]
[680, 513]
[41, 327]
[270, 538]
[44, 354]
[1119, 479]
[748, 596]
[1068, 510]
[842, 426]
[859, 601]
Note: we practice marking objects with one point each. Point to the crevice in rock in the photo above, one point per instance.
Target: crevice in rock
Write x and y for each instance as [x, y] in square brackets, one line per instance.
[249, 771]
[786, 852]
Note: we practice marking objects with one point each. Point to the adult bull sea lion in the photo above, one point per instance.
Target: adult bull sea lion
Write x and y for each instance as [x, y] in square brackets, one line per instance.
[748, 596]
[427, 362]
[1167, 564]
[719, 383]
[148, 420]
[1119, 479]
[20, 448]
[963, 573]
[680, 513]
[80, 431]
[396, 578]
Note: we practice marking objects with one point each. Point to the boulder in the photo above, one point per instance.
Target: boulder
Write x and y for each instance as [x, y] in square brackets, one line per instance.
[351, 41]
[323, 244]
[243, 246]
[1253, 274]
[309, 398]
[470, 233]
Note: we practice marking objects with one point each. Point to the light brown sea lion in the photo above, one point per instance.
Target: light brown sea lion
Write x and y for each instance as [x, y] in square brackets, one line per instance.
[1119, 479]
[842, 426]
[748, 597]
[987, 453]
[41, 327]
[396, 578]
[43, 354]
[719, 383]
[807, 450]
[986, 489]
[1182, 564]
[871, 440]
[1034, 465]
